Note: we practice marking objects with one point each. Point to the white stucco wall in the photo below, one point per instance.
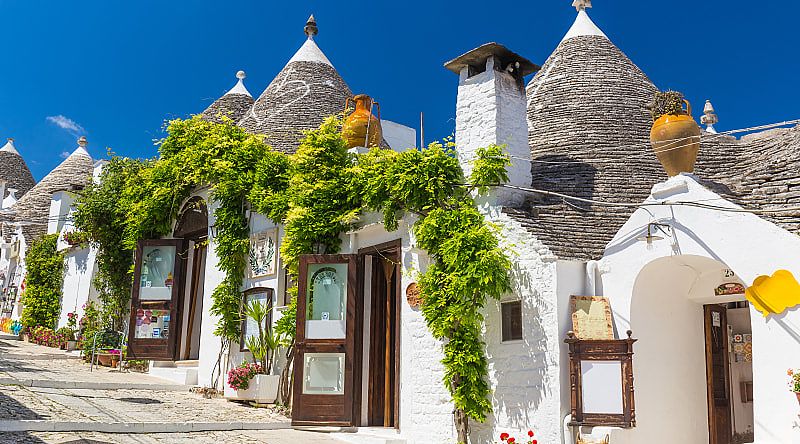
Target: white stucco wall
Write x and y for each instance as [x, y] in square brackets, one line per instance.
[209, 343]
[399, 137]
[745, 243]
[77, 286]
[524, 375]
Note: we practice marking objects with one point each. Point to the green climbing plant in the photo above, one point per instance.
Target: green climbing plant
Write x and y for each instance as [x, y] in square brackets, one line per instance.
[44, 276]
[318, 193]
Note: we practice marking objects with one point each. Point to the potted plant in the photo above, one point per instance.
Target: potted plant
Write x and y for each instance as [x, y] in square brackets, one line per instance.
[794, 382]
[675, 136]
[72, 324]
[254, 382]
[115, 355]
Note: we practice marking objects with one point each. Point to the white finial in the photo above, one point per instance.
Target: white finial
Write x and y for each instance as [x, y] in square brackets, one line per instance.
[582, 5]
[82, 142]
[9, 147]
[239, 87]
[311, 27]
[709, 117]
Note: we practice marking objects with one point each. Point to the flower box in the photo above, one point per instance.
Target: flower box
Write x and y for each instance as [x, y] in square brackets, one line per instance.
[71, 345]
[262, 389]
[104, 359]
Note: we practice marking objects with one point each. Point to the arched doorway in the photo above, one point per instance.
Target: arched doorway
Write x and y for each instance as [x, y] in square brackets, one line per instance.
[192, 226]
[690, 385]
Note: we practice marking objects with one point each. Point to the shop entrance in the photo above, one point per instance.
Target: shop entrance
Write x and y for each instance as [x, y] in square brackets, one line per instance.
[381, 337]
[729, 372]
[167, 299]
[347, 359]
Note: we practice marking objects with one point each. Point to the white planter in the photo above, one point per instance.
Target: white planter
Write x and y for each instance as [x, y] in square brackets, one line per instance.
[262, 389]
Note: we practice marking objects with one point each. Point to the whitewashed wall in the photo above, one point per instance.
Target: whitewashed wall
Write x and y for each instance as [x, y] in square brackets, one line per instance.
[75, 292]
[745, 243]
[524, 375]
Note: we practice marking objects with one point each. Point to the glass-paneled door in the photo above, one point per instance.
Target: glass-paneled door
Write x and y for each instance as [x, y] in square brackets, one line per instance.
[155, 309]
[324, 358]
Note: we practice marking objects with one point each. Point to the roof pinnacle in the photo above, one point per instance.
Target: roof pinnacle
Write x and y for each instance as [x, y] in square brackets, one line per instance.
[311, 27]
[582, 5]
[241, 75]
[709, 117]
[82, 142]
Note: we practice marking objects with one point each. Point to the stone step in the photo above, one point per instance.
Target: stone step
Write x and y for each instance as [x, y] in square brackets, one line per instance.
[370, 436]
[178, 375]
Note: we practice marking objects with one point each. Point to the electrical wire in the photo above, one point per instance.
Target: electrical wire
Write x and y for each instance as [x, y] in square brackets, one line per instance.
[647, 145]
[698, 204]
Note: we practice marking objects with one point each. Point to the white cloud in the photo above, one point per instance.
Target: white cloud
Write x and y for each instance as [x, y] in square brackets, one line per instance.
[67, 124]
[64, 154]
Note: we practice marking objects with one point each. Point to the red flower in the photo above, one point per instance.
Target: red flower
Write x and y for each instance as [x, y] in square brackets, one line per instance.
[534, 442]
[511, 440]
[530, 433]
[503, 436]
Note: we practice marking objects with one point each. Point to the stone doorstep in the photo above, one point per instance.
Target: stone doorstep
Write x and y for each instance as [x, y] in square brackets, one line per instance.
[35, 425]
[47, 383]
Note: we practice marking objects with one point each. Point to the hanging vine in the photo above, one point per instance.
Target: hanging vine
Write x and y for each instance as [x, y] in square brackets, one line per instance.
[318, 193]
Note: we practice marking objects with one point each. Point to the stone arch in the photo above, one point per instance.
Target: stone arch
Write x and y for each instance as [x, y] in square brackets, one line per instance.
[666, 316]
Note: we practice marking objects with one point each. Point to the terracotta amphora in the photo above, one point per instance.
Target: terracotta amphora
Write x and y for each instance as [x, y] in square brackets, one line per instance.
[676, 141]
[362, 120]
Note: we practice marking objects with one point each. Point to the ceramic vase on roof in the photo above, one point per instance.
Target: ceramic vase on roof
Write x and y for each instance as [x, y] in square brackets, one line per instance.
[676, 141]
[362, 127]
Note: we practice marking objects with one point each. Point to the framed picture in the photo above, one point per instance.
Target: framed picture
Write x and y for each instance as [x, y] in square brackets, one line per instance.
[249, 326]
[263, 254]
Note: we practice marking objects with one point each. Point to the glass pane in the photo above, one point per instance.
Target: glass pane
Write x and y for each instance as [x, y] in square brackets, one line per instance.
[158, 264]
[151, 323]
[326, 299]
[250, 327]
[601, 384]
[323, 374]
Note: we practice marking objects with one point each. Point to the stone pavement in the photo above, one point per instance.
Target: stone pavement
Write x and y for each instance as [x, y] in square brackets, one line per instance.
[49, 396]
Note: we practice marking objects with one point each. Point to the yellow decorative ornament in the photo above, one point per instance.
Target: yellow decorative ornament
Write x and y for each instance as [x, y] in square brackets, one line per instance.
[774, 294]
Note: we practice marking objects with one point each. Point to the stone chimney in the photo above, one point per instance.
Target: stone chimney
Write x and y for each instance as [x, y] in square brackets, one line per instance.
[491, 109]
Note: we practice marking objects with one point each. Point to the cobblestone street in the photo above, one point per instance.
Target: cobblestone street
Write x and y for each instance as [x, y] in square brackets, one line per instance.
[45, 393]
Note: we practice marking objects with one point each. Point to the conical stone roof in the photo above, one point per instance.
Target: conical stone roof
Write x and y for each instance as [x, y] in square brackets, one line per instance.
[33, 209]
[306, 91]
[14, 171]
[589, 137]
[233, 104]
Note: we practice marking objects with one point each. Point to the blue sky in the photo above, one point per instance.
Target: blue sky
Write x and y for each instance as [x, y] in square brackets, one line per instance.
[116, 70]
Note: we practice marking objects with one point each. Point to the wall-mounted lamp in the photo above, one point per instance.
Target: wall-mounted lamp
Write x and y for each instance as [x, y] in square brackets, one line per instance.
[651, 227]
[213, 230]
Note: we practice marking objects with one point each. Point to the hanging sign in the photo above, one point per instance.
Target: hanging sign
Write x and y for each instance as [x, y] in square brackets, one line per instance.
[774, 294]
[591, 317]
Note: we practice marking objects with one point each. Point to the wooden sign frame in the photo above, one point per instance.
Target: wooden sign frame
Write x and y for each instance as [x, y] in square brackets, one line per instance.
[601, 350]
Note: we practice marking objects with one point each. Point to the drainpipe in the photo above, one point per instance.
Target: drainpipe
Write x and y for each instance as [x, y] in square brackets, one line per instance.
[591, 278]
[567, 430]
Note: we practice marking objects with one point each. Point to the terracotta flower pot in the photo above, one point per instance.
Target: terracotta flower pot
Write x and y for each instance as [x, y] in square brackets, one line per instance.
[676, 141]
[798, 396]
[104, 359]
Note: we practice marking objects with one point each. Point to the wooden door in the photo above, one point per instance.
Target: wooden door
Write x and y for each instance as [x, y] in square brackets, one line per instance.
[326, 325]
[155, 323]
[383, 354]
[717, 375]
